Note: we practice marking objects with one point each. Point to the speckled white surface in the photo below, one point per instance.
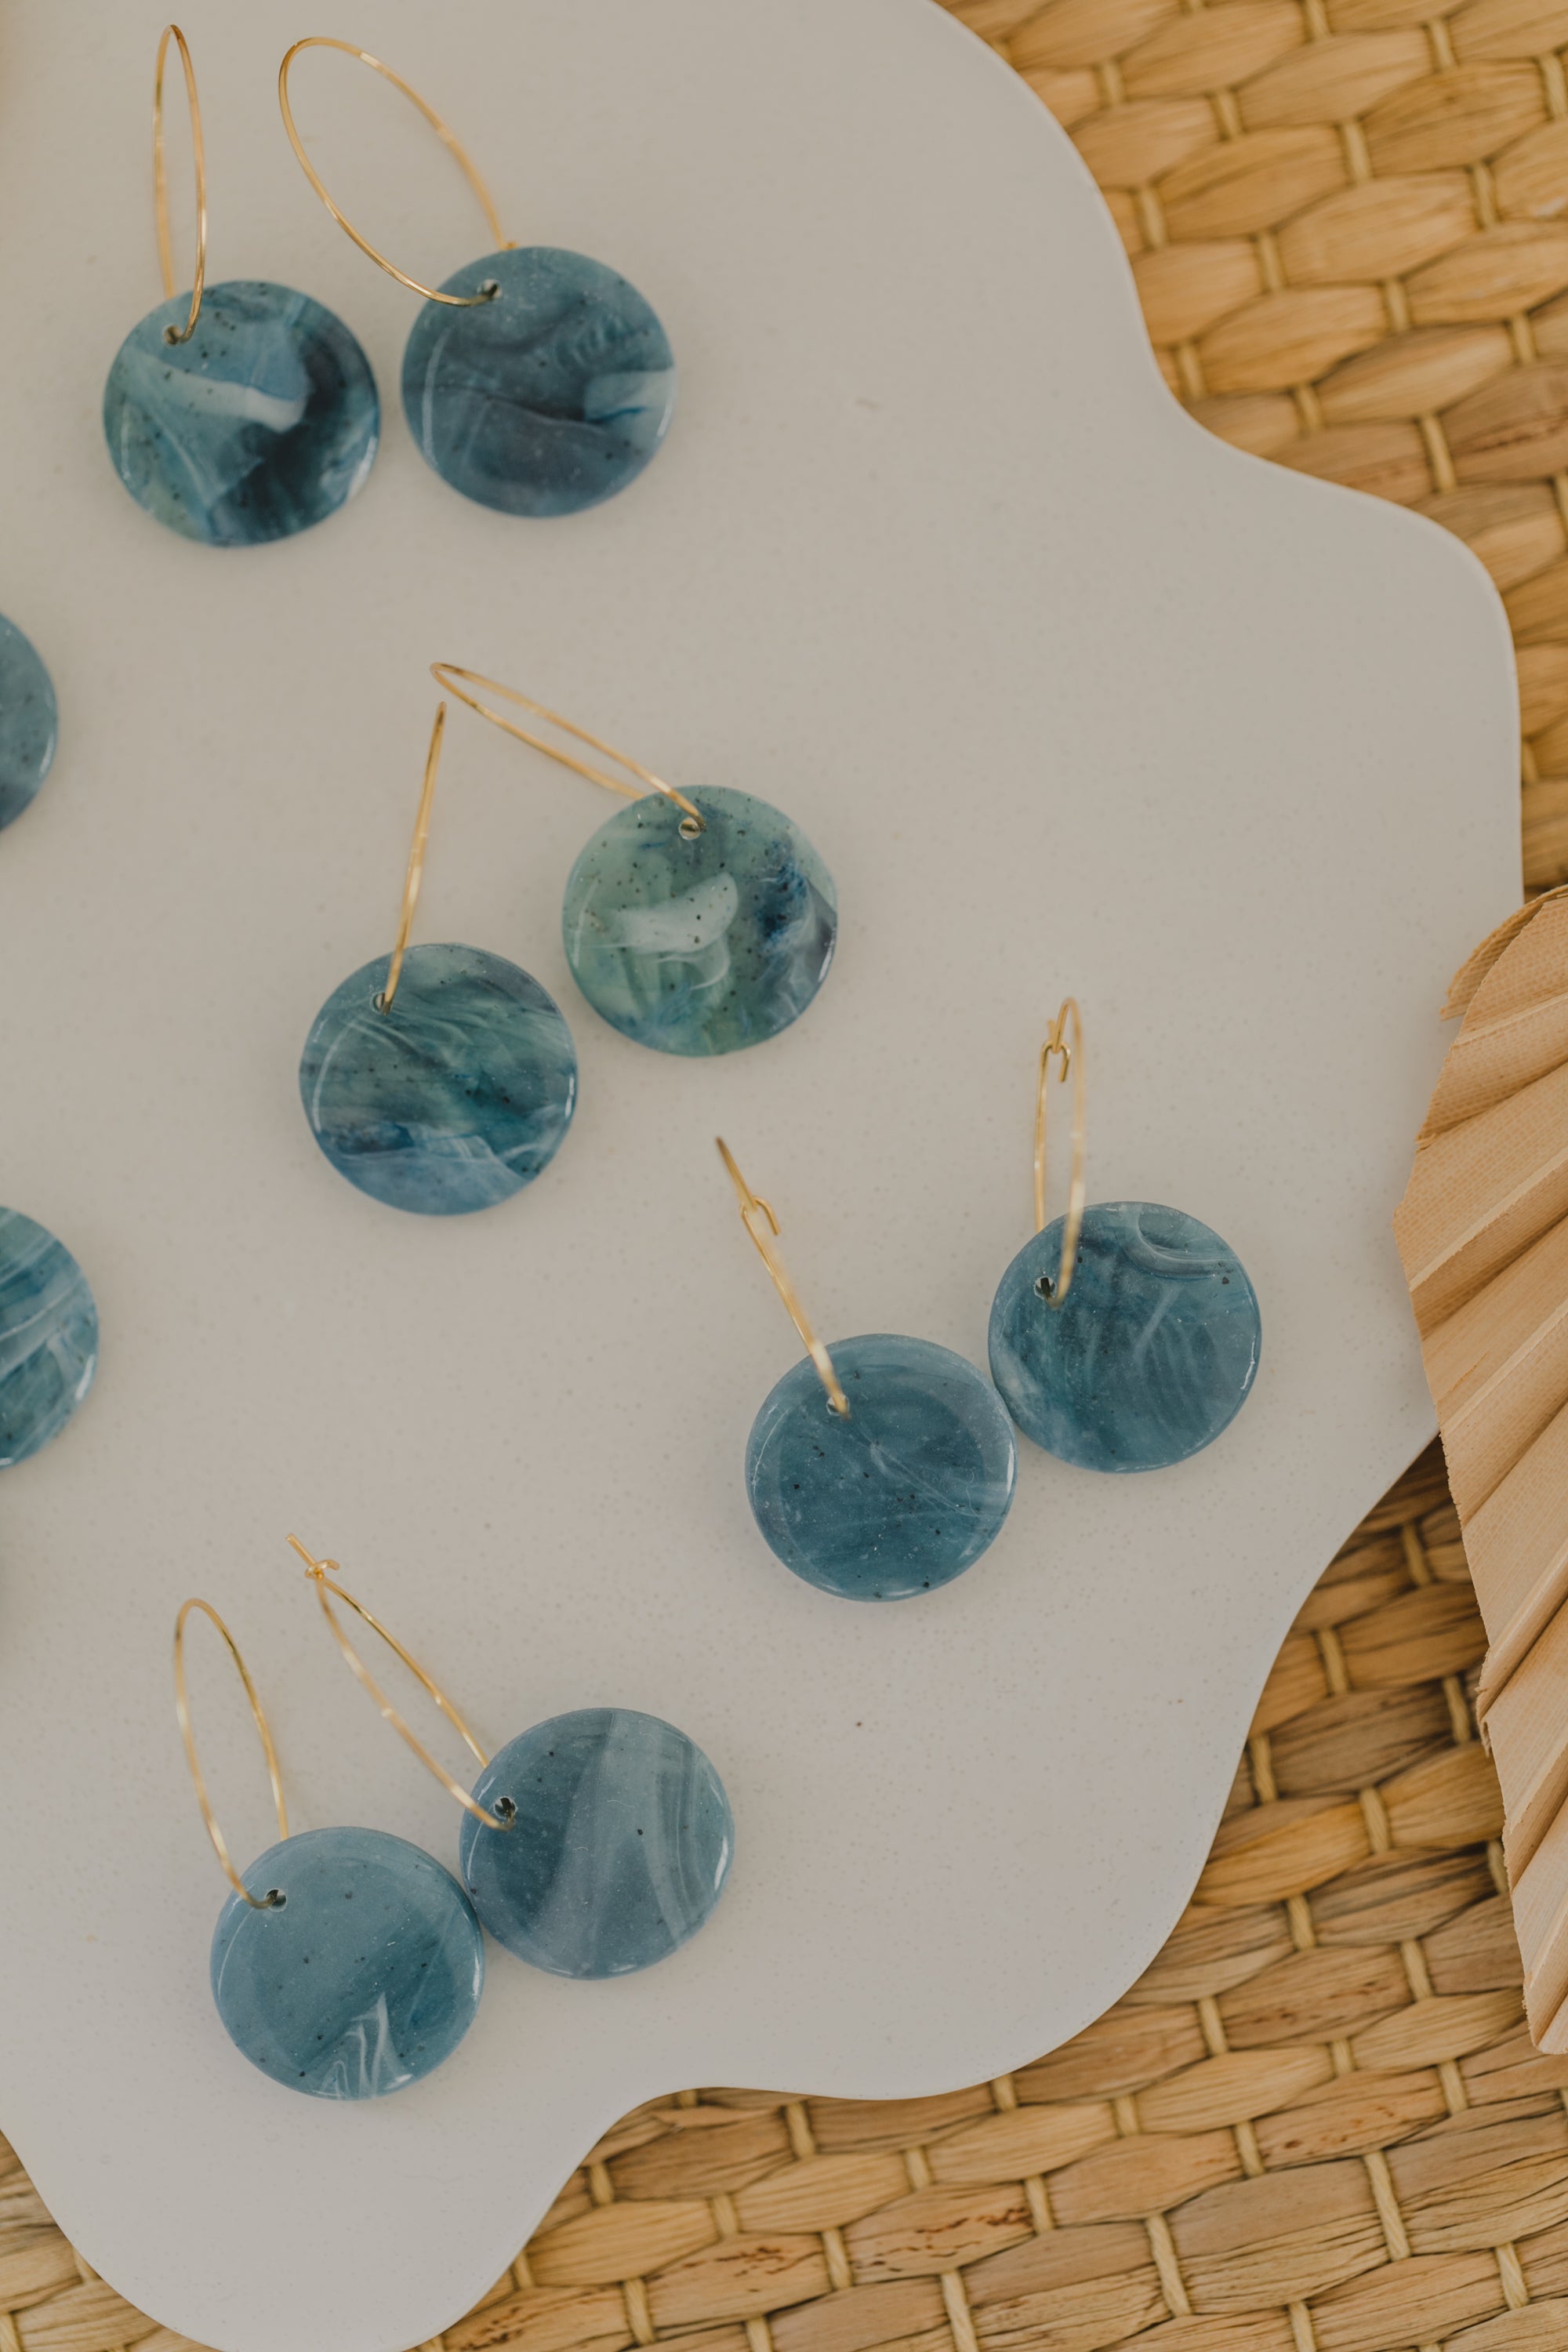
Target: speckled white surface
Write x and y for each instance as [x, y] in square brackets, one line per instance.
[1069, 696]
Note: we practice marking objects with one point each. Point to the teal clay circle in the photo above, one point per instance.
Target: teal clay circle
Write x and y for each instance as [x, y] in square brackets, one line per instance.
[1150, 1355]
[264, 422]
[48, 1337]
[30, 720]
[453, 1100]
[704, 943]
[618, 1845]
[899, 1498]
[361, 1979]
[548, 398]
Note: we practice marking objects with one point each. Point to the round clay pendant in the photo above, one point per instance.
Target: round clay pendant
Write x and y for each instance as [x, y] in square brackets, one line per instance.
[48, 1337]
[899, 1498]
[700, 942]
[28, 723]
[453, 1100]
[1149, 1356]
[616, 1846]
[265, 422]
[549, 396]
[361, 1974]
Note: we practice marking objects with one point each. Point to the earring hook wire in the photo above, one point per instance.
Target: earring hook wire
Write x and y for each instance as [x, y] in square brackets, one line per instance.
[413, 878]
[757, 1216]
[1070, 1050]
[447, 673]
[161, 183]
[323, 1574]
[448, 139]
[183, 1714]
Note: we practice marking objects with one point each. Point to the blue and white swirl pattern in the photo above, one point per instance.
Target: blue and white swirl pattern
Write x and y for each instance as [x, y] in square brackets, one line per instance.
[48, 1337]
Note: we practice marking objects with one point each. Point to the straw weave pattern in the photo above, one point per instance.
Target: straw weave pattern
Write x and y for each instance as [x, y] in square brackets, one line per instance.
[1316, 2124]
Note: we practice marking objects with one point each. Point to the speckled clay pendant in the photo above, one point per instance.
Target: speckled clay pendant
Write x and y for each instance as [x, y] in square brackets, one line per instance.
[242, 411]
[592, 1846]
[48, 1337]
[346, 1964]
[438, 1079]
[28, 723]
[696, 924]
[1124, 1336]
[878, 1468]
[535, 380]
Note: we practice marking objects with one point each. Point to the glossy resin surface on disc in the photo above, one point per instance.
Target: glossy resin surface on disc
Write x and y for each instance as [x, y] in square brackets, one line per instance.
[901, 1497]
[699, 944]
[550, 397]
[618, 1849]
[453, 1100]
[363, 1978]
[48, 1337]
[261, 425]
[29, 721]
[1149, 1356]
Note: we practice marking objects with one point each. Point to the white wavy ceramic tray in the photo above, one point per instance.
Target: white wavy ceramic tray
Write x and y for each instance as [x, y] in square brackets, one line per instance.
[1068, 695]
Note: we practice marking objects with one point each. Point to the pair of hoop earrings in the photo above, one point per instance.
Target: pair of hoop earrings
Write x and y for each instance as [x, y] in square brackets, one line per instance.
[592, 1846]
[535, 380]
[1124, 1336]
[442, 1080]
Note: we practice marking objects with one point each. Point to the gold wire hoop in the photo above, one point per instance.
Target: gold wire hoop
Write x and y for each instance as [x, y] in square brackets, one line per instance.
[1072, 1061]
[447, 674]
[322, 1574]
[161, 184]
[757, 1216]
[448, 140]
[414, 876]
[182, 1713]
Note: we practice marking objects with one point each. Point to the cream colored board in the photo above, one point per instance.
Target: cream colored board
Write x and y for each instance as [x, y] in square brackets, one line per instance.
[1068, 695]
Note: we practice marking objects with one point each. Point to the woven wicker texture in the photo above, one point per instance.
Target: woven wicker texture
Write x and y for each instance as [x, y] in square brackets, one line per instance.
[1316, 2122]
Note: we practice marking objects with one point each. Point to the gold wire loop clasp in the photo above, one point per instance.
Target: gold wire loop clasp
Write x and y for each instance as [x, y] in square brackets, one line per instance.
[322, 1573]
[272, 1899]
[161, 184]
[757, 1216]
[1070, 1050]
[414, 876]
[448, 140]
[446, 675]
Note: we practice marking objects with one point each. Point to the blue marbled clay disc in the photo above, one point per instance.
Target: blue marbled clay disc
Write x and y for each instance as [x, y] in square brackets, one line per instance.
[263, 423]
[1153, 1351]
[29, 721]
[48, 1337]
[455, 1099]
[362, 1979]
[705, 944]
[618, 1847]
[899, 1498]
[547, 399]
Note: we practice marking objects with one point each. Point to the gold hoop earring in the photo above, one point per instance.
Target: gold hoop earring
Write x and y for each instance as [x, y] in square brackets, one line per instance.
[1124, 1336]
[227, 470]
[621, 1806]
[568, 362]
[390, 1988]
[880, 1468]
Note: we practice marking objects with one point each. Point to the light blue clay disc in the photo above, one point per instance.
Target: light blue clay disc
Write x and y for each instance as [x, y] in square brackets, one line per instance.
[550, 397]
[901, 1497]
[618, 1849]
[1150, 1354]
[29, 721]
[48, 1337]
[363, 1978]
[453, 1100]
[263, 423]
[699, 943]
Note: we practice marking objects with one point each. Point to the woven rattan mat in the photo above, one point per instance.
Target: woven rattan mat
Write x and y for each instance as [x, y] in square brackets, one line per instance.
[1316, 2124]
